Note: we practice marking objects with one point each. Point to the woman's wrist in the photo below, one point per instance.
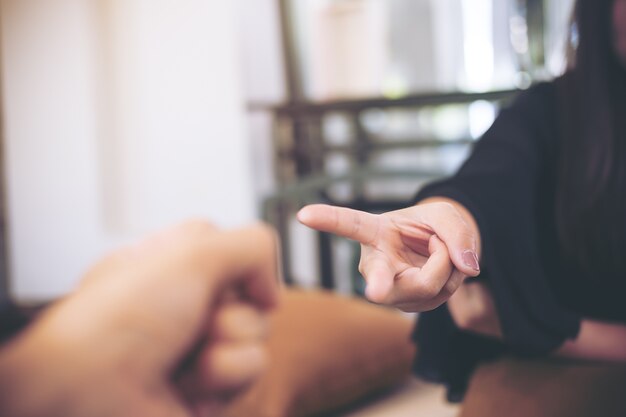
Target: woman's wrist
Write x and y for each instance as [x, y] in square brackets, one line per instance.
[598, 341]
[472, 308]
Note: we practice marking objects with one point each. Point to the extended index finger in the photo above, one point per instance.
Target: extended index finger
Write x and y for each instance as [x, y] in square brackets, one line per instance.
[352, 224]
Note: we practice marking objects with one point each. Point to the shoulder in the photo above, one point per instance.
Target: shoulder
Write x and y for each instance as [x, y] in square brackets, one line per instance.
[538, 101]
[527, 125]
[533, 113]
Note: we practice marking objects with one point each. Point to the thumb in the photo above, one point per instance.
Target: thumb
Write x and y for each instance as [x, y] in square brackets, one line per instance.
[462, 249]
[456, 233]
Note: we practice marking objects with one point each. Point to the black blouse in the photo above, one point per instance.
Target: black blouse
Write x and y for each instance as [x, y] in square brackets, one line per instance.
[508, 184]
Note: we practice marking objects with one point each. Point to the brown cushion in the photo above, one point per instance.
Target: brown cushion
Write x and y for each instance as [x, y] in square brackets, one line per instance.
[327, 351]
[546, 388]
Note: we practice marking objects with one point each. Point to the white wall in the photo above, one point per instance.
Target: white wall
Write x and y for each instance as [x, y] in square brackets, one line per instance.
[121, 116]
[264, 83]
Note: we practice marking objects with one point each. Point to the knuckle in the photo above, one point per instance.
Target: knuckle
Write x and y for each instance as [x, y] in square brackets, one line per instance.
[198, 226]
[266, 234]
[427, 290]
[446, 207]
[434, 212]
[437, 209]
[192, 235]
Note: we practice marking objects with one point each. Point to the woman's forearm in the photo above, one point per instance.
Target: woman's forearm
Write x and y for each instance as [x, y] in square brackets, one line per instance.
[597, 341]
[473, 310]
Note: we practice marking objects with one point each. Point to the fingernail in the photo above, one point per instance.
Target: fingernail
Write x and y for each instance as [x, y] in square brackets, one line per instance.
[471, 260]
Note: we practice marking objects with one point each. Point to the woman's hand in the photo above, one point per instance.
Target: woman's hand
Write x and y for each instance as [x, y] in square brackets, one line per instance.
[414, 258]
[169, 327]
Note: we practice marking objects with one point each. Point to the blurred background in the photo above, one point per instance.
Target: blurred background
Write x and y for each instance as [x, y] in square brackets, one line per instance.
[120, 117]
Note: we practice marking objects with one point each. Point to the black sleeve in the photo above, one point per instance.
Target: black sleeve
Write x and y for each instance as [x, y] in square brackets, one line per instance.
[499, 184]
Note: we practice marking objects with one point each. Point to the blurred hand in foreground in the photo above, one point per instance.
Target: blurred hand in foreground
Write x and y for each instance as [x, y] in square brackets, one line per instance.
[171, 327]
[414, 258]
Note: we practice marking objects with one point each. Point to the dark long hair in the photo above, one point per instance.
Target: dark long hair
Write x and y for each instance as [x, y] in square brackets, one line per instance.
[592, 158]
